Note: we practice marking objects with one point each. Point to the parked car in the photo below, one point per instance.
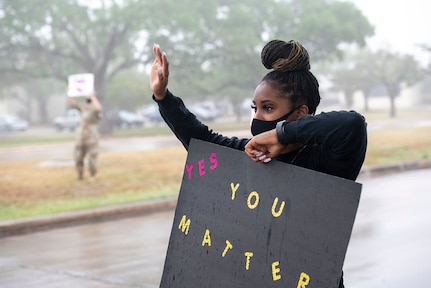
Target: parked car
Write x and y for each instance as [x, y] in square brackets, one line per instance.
[12, 123]
[202, 113]
[70, 121]
[127, 119]
[212, 109]
[152, 114]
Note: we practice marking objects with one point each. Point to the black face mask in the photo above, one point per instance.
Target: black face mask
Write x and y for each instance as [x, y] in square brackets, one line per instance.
[260, 126]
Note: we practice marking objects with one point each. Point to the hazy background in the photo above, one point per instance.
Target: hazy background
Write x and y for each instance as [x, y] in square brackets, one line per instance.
[400, 25]
[367, 55]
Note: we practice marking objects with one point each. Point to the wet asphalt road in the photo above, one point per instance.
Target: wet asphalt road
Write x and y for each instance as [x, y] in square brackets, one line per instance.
[390, 245]
[64, 150]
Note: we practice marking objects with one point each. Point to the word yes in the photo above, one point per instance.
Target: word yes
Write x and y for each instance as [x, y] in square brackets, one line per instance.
[201, 166]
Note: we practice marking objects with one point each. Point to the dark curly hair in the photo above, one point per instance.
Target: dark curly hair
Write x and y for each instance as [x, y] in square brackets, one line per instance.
[290, 64]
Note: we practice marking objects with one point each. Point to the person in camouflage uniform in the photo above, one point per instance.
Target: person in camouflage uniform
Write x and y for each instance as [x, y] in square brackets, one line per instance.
[87, 138]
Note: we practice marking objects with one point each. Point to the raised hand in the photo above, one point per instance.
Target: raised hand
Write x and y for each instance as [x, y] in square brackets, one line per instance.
[159, 75]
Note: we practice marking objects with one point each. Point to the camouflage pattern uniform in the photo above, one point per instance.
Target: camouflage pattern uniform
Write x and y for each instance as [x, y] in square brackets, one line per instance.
[87, 139]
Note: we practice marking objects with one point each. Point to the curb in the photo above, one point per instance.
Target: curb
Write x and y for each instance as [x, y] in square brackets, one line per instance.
[395, 168]
[67, 219]
[115, 212]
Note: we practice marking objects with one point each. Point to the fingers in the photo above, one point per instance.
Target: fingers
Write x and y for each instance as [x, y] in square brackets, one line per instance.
[258, 153]
[161, 58]
[158, 62]
[161, 63]
[261, 157]
[157, 52]
[159, 73]
[258, 156]
[165, 65]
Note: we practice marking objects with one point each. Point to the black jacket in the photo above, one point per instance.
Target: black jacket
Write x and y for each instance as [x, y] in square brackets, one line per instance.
[335, 141]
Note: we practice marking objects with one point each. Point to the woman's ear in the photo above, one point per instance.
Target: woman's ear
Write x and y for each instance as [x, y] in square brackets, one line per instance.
[302, 110]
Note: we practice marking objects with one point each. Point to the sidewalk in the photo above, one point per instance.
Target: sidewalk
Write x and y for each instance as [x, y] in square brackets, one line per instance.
[34, 224]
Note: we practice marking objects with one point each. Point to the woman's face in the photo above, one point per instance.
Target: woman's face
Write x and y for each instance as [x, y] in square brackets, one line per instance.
[268, 105]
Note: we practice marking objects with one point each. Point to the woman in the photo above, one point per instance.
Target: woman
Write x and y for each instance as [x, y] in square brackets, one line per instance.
[284, 126]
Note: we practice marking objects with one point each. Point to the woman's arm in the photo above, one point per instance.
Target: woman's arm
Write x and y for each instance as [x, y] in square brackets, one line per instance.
[186, 126]
[182, 122]
[339, 133]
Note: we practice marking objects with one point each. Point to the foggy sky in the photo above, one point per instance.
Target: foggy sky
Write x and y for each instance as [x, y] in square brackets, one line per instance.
[400, 25]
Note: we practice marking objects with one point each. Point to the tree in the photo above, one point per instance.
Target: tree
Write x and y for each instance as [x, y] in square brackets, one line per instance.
[392, 70]
[395, 71]
[345, 81]
[427, 48]
[58, 38]
[350, 76]
[214, 45]
[224, 53]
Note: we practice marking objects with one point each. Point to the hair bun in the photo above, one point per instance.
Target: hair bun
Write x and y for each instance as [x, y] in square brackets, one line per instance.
[285, 56]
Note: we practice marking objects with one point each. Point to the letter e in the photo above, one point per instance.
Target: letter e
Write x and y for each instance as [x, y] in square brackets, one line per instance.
[202, 167]
[275, 271]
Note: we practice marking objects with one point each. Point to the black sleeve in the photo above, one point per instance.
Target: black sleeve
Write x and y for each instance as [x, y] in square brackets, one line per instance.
[186, 126]
[338, 140]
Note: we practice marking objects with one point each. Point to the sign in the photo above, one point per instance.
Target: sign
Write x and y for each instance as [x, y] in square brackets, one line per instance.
[80, 85]
[239, 223]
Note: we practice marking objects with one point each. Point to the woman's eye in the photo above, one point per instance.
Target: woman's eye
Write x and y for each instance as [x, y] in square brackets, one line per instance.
[253, 107]
[267, 108]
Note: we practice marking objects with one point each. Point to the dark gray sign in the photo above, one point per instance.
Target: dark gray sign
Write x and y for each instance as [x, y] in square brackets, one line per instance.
[239, 223]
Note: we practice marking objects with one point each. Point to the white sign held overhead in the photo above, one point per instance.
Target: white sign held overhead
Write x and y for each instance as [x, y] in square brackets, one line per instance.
[80, 84]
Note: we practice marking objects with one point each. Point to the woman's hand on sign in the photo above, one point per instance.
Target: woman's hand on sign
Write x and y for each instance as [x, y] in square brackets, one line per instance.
[159, 74]
[263, 147]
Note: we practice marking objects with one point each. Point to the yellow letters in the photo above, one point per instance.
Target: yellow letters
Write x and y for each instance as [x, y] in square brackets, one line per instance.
[275, 271]
[304, 279]
[248, 255]
[207, 238]
[228, 246]
[234, 188]
[274, 204]
[256, 201]
[184, 225]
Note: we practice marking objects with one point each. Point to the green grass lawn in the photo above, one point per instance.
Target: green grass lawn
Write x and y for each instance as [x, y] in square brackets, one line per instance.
[29, 190]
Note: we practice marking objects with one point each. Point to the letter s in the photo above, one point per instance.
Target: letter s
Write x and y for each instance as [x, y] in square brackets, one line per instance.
[214, 161]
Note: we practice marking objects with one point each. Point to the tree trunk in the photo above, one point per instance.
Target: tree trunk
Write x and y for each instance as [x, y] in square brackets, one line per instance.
[366, 102]
[43, 111]
[392, 111]
[349, 100]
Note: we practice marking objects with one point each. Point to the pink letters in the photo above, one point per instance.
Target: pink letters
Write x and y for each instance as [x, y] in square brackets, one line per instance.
[214, 161]
[202, 171]
[201, 166]
[189, 170]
